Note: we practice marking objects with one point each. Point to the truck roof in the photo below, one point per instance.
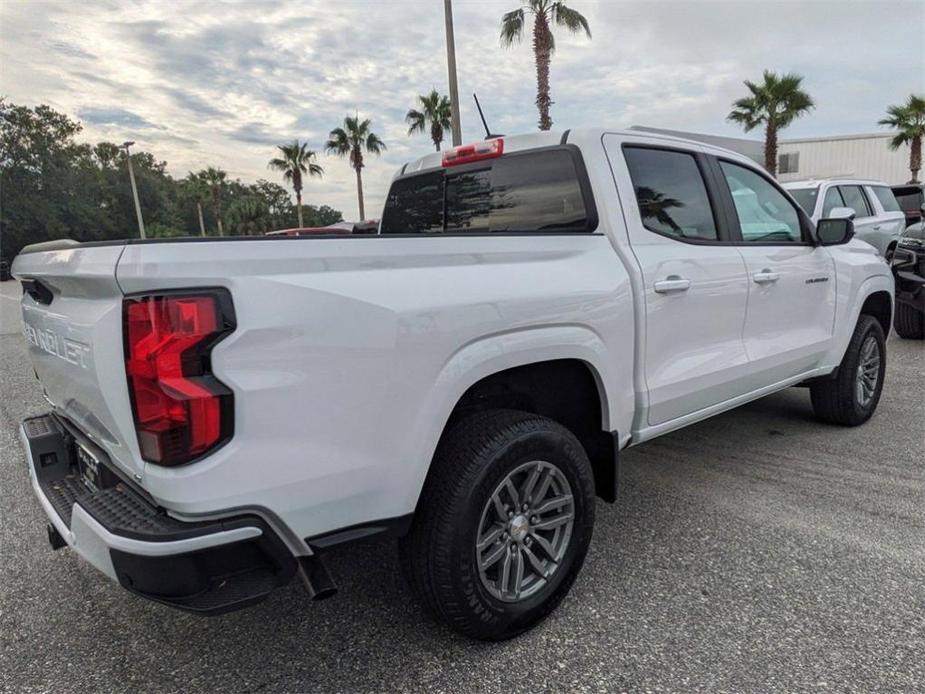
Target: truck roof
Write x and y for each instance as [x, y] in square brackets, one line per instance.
[516, 143]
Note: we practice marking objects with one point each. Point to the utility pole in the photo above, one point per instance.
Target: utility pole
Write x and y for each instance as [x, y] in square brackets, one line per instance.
[131, 175]
[202, 226]
[451, 68]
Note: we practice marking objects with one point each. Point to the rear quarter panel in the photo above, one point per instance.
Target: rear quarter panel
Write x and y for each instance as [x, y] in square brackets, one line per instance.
[351, 353]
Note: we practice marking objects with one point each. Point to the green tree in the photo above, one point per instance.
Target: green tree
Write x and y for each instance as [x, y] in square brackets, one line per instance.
[215, 180]
[249, 215]
[435, 112]
[296, 160]
[775, 104]
[351, 140]
[196, 188]
[909, 120]
[546, 14]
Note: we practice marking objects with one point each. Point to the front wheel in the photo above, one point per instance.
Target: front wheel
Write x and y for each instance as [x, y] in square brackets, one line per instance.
[504, 523]
[851, 397]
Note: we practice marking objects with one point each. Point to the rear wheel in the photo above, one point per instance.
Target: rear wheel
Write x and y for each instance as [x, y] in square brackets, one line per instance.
[504, 523]
[851, 397]
[909, 321]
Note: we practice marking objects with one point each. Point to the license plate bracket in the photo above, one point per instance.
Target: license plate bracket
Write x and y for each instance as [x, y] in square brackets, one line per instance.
[93, 472]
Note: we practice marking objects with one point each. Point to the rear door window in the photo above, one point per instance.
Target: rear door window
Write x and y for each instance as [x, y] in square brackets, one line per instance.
[856, 200]
[671, 193]
[531, 192]
[886, 198]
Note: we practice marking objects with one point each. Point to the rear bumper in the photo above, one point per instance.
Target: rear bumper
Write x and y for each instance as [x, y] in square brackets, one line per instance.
[207, 567]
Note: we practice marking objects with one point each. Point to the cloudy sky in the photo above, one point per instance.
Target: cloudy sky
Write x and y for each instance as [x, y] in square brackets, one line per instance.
[213, 83]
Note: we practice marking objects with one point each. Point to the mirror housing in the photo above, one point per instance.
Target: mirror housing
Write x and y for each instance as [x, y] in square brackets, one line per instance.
[835, 231]
[842, 213]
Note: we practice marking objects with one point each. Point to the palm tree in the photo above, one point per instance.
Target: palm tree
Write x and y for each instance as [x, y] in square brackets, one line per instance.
[297, 159]
[214, 179]
[775, 103]
[545, 14]
[435, 109]
[350, 141]
[198, 189]
[909, 120]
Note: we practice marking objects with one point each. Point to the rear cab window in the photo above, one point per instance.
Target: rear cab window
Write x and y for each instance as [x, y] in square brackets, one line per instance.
[542, 190]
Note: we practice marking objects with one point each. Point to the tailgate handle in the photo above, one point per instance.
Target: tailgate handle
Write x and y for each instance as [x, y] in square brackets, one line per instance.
[37, 291]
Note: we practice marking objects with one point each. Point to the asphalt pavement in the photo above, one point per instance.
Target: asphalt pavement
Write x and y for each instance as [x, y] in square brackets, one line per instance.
[757, 551]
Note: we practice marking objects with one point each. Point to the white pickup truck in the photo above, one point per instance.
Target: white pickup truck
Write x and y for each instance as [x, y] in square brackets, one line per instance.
[225, 411]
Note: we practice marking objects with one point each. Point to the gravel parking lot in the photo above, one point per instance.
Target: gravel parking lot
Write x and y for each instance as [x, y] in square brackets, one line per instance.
[756, 551]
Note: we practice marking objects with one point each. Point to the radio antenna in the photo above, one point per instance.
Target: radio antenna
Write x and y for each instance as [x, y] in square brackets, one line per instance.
[488, 133]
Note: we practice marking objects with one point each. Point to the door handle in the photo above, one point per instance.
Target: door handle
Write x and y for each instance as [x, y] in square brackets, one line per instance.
[877, 227]
[672, 283]
[766, 277]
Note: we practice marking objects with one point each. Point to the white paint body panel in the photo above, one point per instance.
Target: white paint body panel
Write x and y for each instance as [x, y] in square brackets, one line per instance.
[350, 353]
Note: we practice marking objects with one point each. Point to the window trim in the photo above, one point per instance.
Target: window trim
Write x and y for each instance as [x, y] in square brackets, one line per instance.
[592, 226]
[701, 160]
[807, 238]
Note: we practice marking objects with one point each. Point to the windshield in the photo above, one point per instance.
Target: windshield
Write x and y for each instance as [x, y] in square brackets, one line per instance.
[534, 191]
[806, 197]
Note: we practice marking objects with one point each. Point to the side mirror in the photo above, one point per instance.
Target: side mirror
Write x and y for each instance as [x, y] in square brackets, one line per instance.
[922, 209]
[834, 232]
[842, 213]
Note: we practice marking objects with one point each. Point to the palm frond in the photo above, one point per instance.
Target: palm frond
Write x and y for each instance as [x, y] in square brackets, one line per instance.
[416, 121]
[512, 27]
[374, 144]
[574, 21]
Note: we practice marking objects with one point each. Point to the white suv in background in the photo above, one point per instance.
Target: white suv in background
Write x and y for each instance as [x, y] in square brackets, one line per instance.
[878, 219]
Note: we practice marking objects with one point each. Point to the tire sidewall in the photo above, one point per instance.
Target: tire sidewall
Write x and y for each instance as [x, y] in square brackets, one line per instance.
[561, 450]
[863, 413]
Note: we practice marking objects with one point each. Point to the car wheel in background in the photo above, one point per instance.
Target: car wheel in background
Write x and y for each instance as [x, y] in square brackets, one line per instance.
[503, 525]
[909, 321]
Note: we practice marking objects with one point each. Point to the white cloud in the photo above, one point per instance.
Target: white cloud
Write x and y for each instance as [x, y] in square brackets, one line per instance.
[202, 83]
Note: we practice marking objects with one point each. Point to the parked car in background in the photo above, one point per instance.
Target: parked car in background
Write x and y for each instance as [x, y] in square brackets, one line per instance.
[909, 273]
[910, 197]
[878, 219]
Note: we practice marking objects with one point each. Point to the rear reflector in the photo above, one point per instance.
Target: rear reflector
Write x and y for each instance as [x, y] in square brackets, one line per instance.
[466, 154]
[181, 410]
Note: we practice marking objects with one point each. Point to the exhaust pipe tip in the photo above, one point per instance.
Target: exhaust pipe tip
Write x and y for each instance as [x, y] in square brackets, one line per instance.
[316, 579]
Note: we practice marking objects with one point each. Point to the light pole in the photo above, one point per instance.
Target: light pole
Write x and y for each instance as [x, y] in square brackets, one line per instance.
[451, 68]
[131, 175]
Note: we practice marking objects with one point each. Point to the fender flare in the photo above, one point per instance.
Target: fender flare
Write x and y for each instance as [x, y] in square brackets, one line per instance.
[492, 354]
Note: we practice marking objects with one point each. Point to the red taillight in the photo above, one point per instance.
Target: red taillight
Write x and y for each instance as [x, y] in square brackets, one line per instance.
[465, 154]
[181, 410]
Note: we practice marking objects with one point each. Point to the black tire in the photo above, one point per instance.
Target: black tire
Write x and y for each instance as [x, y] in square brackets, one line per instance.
[836, 400]
[439, 554]
[909, 321]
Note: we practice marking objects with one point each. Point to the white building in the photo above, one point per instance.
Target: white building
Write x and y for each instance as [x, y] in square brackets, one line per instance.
[854, 156]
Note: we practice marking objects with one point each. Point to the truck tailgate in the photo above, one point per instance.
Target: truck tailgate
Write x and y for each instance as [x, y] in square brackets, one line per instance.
[72, 320]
